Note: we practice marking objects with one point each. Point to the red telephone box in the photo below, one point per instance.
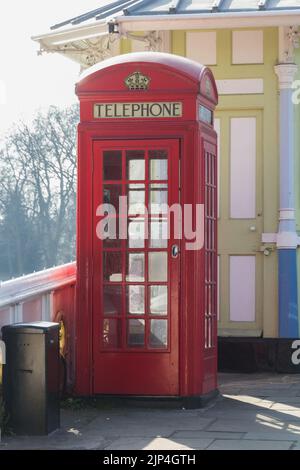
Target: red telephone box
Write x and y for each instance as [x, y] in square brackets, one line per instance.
[147, 284]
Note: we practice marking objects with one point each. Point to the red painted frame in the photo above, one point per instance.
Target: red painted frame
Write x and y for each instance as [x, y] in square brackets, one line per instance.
[172, 78]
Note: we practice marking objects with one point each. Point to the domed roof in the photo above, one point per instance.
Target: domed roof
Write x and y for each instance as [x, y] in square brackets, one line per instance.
[168, 71]
[185, 66]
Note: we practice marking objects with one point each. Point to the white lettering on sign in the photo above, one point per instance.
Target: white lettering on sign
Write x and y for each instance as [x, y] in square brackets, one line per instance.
[138, 110]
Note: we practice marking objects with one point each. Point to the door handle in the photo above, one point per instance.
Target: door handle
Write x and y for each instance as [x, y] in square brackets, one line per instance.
[265, 250]
[175, 251]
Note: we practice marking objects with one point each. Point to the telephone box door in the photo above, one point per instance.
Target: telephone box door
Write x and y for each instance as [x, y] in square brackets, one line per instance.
[136, 262]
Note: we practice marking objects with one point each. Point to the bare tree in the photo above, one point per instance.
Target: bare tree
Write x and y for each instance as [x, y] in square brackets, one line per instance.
[38, 192]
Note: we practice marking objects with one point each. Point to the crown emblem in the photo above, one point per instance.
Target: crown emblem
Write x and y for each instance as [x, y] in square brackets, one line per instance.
[137, 81]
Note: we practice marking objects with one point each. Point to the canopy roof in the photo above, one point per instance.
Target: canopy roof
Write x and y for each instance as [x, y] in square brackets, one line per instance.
[108, 9]
[94, 36]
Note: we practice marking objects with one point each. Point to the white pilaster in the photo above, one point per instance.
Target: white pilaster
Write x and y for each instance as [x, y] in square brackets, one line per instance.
[287, 237]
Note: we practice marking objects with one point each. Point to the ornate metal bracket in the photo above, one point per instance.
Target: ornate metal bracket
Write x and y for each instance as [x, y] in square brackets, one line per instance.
[292, 38]
[88, 52]
[152, 40]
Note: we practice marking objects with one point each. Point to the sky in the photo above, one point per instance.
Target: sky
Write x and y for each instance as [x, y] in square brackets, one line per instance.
[27, 81]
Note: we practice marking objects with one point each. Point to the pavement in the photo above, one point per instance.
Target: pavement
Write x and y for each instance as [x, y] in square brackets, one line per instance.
[254, 411]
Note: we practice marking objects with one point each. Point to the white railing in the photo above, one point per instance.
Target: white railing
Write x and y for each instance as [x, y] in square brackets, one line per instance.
[30, 297]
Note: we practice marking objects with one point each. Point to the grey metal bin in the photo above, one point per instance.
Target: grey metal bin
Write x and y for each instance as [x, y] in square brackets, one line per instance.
[31, 377]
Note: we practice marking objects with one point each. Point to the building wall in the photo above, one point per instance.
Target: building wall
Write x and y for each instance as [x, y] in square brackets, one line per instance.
[247, 120]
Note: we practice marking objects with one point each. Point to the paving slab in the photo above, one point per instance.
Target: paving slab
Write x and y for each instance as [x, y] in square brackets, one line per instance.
[255, 415]
[241, 426]
[242, 444]
[274, 435]
[145, 426]
[159, 444]
[261, 392]
[287, 407]
[246, 399]
[207, 435]
[58, 441]
[294, 400]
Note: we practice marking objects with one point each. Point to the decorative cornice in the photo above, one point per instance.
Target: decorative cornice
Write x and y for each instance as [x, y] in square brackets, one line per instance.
[286, 74]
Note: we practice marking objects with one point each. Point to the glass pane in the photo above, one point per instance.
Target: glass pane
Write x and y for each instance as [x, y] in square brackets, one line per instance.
[112, 300]
[135, 161]
[111, 334]
[158, 165]
[136, 267]
[111, 194]
[136, 233]
[158, 199]
[109, 232]
[158, 234]
[158, 300]
[158, 266]
[112, 165]
[158, 333]
[112, 266]
[136, 199]
[136, 333]
[159, 186]
[135, 300]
